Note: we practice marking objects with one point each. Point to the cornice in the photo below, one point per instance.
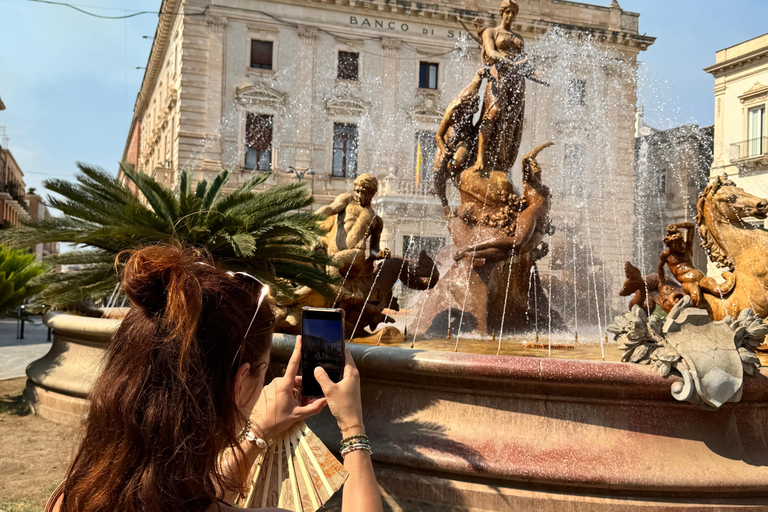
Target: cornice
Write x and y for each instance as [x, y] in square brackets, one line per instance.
[156, 54]
[433, 12]
[170, 9]
[738, 62]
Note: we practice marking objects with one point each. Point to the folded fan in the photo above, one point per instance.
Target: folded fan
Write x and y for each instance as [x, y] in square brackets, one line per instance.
[296, 473]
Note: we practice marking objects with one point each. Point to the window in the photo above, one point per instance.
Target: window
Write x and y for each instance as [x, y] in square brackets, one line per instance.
[427, 75]
[756, 123]
[413, 245]
[167, 144]
[349, 63]
[261, 54]
[258, 142]
[424, 141]
[577, 92]
[574, 169]
[344, 150]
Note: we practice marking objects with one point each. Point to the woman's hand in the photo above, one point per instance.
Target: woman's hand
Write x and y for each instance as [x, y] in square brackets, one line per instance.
[278, 406]
[343, 398]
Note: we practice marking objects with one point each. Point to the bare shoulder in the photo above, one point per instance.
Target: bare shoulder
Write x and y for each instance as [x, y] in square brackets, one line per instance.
[346, 197]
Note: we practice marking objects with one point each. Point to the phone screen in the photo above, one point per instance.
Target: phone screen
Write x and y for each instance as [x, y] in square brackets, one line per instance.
[322, 344]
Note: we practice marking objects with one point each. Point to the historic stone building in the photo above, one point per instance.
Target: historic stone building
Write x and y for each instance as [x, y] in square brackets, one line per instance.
[13, 208]
[671, 169]
[741, 132]
[320, 90]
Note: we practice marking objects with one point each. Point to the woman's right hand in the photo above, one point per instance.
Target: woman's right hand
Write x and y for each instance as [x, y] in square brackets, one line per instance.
[343, 397]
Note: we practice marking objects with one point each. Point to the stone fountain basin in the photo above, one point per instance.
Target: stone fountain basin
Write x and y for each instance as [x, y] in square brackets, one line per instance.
[457, 431]
[521, 433]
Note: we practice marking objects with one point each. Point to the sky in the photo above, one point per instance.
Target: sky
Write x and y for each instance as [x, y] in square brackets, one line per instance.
[69, 81]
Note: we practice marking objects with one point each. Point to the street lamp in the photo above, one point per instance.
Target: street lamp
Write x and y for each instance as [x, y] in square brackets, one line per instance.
[300, 172]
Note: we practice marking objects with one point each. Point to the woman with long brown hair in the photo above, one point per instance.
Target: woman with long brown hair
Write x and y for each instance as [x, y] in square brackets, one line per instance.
[180, 411]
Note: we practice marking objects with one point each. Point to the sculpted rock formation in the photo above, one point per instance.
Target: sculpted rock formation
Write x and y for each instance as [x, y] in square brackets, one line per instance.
[365, 272]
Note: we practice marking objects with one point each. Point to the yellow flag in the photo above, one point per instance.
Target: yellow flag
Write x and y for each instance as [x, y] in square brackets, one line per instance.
[419, 161]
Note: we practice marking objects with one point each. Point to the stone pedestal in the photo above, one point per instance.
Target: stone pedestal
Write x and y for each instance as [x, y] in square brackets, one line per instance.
[58, 384]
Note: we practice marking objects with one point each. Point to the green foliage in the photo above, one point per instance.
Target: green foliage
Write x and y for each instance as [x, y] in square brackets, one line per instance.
[257, 232]
[18, 270]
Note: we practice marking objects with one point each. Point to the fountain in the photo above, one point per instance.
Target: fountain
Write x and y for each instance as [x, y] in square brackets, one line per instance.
[455, 425]
[519, 433]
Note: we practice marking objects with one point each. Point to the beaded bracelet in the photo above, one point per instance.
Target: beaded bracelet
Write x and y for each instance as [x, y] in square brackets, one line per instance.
[344, 445]
[350, 438]
[355, 447]
[354, 443]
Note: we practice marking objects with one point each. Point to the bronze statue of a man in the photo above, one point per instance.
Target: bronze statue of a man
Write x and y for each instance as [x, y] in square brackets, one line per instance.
[352, 224]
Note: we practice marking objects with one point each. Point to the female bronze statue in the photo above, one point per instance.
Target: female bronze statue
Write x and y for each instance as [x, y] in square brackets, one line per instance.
[501, 128]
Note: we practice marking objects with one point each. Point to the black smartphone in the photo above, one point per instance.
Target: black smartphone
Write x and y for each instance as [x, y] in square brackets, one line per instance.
[322, 344]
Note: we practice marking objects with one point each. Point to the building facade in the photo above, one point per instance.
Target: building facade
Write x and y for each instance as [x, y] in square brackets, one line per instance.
[671, 168]
[39, 211]
[321, 90]
[13, 207]
[741, 132]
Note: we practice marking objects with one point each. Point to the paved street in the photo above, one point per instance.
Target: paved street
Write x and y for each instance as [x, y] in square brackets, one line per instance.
[15, 354]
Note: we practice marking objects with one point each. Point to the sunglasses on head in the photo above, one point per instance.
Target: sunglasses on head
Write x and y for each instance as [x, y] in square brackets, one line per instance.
[256, 286]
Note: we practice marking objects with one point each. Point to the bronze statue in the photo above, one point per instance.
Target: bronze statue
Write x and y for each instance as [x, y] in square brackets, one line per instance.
[498, 234]
[501, 128]
[457, 137]
[499, 237]
[729, 241]
[732, 243]
[366, 273]
[650, 291]
[523, 231]
[678, 256]
[352, 224]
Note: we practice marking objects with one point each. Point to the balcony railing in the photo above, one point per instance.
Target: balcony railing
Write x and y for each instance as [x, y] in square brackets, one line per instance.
[406, 187]
[752, 148]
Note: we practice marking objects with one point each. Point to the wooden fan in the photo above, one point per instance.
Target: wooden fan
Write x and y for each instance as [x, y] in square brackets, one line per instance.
[296, 473]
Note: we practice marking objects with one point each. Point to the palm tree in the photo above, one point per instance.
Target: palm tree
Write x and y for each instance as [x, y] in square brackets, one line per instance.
[17, 268]
[262, 233]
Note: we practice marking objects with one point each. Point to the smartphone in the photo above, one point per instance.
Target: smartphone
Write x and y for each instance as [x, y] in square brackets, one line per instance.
[322, 344]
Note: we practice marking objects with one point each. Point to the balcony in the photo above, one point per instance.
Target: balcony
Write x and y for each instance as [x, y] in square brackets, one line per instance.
[750, 153]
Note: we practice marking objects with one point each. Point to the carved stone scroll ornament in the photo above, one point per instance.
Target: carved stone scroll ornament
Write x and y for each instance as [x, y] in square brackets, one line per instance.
[711, 357]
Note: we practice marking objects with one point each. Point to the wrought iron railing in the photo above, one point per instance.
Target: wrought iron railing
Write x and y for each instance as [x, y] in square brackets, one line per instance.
[751, 148]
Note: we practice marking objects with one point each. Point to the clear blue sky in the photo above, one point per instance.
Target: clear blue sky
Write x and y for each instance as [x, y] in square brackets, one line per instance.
[69, 81]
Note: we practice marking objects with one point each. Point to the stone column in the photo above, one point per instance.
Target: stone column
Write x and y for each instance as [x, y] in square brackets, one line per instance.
[390, 90]
[216, 61]
[304, 100]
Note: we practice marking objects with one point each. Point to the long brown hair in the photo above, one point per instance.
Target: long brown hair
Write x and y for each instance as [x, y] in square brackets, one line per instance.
[163, 408]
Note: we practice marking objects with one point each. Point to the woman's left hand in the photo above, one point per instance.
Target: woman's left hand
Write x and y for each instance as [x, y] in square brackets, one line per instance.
[278, 407]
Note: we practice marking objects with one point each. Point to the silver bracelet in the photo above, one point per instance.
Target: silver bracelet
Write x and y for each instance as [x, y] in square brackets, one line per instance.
[355, 447]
